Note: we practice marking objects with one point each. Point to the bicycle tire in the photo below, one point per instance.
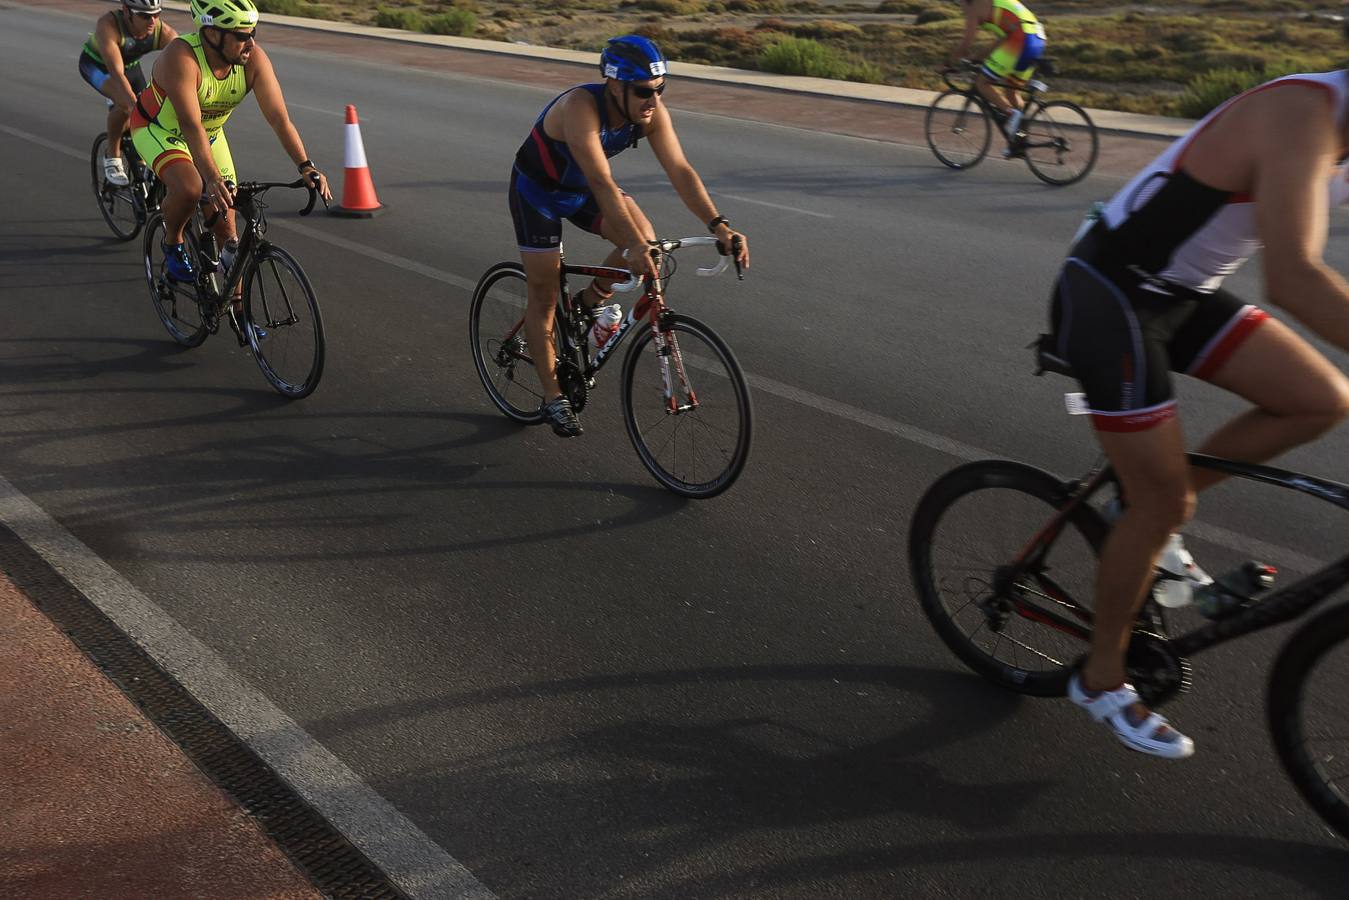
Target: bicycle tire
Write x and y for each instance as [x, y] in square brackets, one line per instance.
[176, 304]
[729, 444]
[272, 325]
[1047, 494]
[1052, 130]
[1295, 666]
[127, 223]
[499, 302]
[966, 121]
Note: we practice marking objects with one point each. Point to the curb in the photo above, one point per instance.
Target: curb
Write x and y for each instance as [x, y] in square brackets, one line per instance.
[1105, 119]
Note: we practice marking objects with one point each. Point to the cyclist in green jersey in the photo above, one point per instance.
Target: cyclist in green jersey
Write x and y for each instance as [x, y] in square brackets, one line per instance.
[110, 61]
[180, 118]
[1010, 61]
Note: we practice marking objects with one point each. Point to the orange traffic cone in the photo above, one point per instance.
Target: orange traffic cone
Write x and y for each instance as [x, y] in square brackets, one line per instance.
[358, 191]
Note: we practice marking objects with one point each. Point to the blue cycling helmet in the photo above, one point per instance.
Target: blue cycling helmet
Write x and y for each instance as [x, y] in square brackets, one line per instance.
[632, 58]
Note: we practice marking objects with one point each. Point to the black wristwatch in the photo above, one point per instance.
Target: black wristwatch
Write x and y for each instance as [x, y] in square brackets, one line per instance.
[307, 164]
[719, 220]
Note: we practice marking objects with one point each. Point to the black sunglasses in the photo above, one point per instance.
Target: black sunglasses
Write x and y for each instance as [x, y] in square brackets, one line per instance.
[145, 15]
[646, 93]
[244, 36]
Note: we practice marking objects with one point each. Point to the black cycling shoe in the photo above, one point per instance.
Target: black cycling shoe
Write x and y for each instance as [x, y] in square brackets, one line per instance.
[559, 414]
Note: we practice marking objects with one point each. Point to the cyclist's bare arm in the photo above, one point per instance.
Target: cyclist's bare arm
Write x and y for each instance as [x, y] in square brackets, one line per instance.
[109, 40]
[262, 82]
[1295, 149]
[180, 79]
[973, 13]
[581, 132]
[670, 154]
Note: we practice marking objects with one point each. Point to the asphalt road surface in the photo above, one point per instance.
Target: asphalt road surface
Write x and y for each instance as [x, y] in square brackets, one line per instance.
[575, 683]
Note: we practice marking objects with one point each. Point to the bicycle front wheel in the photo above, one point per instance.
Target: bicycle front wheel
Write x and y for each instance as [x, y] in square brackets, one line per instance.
[1061, 143]
[175, 302]
[1020, 624]
[496, 335]
[958, 129]
[687, 410]
[1309, 714]
[117, 204]
[282, 323]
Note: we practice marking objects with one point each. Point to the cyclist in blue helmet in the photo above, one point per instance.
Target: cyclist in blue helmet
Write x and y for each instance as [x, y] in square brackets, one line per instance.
[562, 171]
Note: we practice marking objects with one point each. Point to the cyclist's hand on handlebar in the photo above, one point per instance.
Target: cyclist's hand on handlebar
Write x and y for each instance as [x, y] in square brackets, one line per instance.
[734, 244]
[320, 182]
[641, 260]
[219, 193]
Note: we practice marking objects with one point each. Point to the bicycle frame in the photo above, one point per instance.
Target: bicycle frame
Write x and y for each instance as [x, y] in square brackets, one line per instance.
[1283, 605]
[650, 304]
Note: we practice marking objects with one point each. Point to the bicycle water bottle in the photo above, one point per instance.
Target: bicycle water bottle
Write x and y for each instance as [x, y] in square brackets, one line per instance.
[606, 323]
[1179, 576]
[227, 255]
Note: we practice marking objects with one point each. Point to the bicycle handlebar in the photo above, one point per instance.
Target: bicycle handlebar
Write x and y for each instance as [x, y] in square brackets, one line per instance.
[698, 241]
[310, 184]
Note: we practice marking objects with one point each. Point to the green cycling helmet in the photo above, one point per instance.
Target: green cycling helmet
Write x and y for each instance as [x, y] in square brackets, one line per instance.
[226, 14]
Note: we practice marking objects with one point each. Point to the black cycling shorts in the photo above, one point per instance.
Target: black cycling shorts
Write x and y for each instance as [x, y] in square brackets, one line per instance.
[538, 214]
[1124, 336]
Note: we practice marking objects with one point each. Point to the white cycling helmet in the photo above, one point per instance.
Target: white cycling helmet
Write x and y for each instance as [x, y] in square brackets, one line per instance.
[145, 6]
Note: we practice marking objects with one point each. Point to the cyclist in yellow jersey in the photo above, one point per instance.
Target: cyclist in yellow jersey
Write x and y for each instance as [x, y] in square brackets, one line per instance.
[110, 61]
[1011, 60]
[179, 118]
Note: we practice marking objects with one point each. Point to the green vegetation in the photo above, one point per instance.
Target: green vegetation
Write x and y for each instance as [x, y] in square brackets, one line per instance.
[1210, 89]
[1173, 60]
[804, 56]
[457, 21]
[406, 19]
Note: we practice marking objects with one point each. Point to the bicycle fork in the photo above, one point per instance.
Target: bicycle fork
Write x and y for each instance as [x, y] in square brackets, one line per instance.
[671, 363]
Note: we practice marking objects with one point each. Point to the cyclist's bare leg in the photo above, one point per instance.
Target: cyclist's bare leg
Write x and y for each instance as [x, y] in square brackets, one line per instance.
[119, 114]
[991, 92]
[615, 257]
[183, 190]
[1298, 395]
[1153, 474]
[542, 271]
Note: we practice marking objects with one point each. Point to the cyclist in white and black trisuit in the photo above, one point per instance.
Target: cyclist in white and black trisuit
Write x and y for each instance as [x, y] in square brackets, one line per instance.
[1140, 296]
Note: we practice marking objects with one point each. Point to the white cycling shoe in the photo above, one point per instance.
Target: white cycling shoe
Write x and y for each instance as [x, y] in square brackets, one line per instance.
[1152, 735]
[114, 172]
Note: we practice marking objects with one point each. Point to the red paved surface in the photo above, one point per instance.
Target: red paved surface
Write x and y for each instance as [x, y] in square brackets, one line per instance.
[95, 802]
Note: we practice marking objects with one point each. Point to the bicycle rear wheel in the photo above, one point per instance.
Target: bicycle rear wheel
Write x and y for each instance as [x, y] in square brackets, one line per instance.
[696, 442]
[496, 336]
[117, 204]
[1020, 625]
[958, 129]
[176, 303]
[1309, 714]
[282, 322]
[1061, 143]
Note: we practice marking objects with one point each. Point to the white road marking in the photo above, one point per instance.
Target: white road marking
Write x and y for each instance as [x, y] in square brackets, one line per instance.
[804, 212]
[411, 859]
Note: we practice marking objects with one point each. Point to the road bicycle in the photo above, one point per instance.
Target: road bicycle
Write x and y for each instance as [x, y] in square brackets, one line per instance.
[684, 399]
[278, 317]
[1059, 144]
[1002, 557]
[128, 208]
